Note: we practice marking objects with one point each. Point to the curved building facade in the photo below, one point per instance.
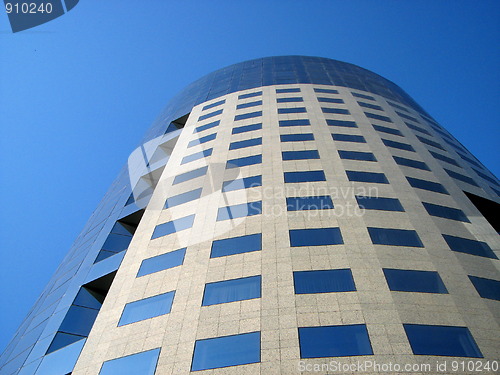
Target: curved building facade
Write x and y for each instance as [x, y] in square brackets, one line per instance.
[283, 215]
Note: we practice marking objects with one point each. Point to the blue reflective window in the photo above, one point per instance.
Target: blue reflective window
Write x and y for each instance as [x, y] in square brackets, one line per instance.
[246, 128]
[292, 110]
[398, 145]
[295, 99]
[385, 129]
[418, 128]
[298, 122]
[407, 117]
[173, 226]
[323, 281]
[242, 183]
[465, 157]
[201, 140]
[183, 198]
[445, 212]
[379, 203]
[357, 155]
[341, 123]
[250, 95]
[284, 91]
[326, 91]
[143, 363]
[426, 185]
[330, 100]
[226, 351]
[239, 210]
[304, 176]
[394, 237]
[196, 156]
[147, 308]
[297, 137]
[397, 106]
[377, 117]
[461, 177]
[236, 245]
[232, 290]
[243, 162]
[208, 106]
[487, 288]
[250, 104]
[211, 114]
[309, 203]
[473, 247]
[486, 177]
[338, 111]
[348, 138]
[162, 262]
[441, 340]
[362, 96]
[360, 176]
[334, 341]
[245, 143]
[411, 163]
[315, 237]
[79, 320]
[414, 281]
[300, 155]
[195, 173]
[371, 106]
[430, 143]
[244, 116]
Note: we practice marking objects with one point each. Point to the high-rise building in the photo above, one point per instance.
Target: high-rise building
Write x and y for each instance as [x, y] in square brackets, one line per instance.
[283, 214]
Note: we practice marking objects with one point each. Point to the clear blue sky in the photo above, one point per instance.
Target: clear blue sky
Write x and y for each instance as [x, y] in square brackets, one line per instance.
[77, 94]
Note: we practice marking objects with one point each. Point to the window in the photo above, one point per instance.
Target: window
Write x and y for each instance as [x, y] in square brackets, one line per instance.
[220, 102]
[247, 115]
[295, 99]
[371, 106]
[378, 178]
[362, 96]
[338, 111]
[162, 262]
[398, 106]
[117, 241]
[246, 143]
[426, 185]
[183, 198]
[195, 173]
[147, 308]
[300, 155]
[247, 128]
[232, 290]
[348, 138]
[326, 91]
[330, 100]
[469, 160]
[140, 363]
[488, 208]
[211, 114]
[309, 203]
[398, 145]
[377, 117]
[242, 183]
[226, 351]
[284, 91]
[407, 117]
[461, 177]
[296, 137]
[236, 245]
[357, 155]
[487, 288]
[323, 281]
[414, 281]
[304, 176]
[334, 341]
[196, 156]
[299, 122]
[418, 128]
[411, 163]
[201, 140]
[441, 340]
[385, 129]
[430, 143]
[207, 126]
[341, 123]
[315, 237]
[394, 237]
[292, 110]
[445, 159]
[250, 95]
[239, 210]
[173, 226]
[250, 104]
[485, 176]
[243, 162]
[379, 203]
[445, 212]
[473, 247]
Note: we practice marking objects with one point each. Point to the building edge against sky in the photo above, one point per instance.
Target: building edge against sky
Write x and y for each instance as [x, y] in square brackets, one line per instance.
[309, 210]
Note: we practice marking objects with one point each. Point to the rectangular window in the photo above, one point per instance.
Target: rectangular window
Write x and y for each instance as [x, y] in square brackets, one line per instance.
[362, 96]
[247, 115]
[330, 100]
[236, 245]
[208, 106]
[371, 106]
[359, 176]
[323, 202]
[173, 226]
[379, 203]
[147, 308]
[398, 106]
[385, 129]
[469, 160]
[243, 162]
[445, 159]
[300, 155]
[426, 185]
[315, 237]
[338, 111]
[206, 126]
[326, 91]
[295, 99]
[418, 128]
[162, 262]
[250, 104]
[196, 156]
[183, 198]
[467, 246]
[299, 122]
[445, 341]
[199, 141]
[461, 177]
[190, 175]
[398, 145]
[140, 363]
[487, 288]
[284, 91]
[250, 95]
[292, 110]
[407, 117]
[394, 237]
[485, 176]
[211, 114]
[232, 290]
[245, 143]
[445, 212]
[246, 128]
[304, 176]
[411, 163]
[226, 351]
[357, 155]
[334, 341]
[297, 137]
[323, 281]
[377, 117]
[341, 123]
[239, 210]
[430, 143]
[348, 138]
[414, 281]
[242, 183]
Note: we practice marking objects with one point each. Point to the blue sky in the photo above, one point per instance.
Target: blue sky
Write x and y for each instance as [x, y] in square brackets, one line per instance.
[77, 94]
